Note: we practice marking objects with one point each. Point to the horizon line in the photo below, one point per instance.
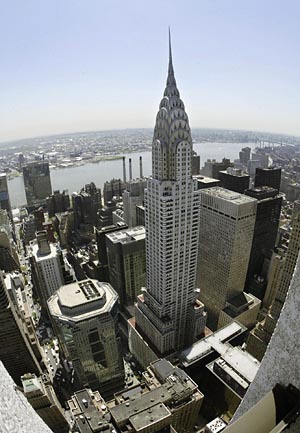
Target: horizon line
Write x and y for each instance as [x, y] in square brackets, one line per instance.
[137, 128]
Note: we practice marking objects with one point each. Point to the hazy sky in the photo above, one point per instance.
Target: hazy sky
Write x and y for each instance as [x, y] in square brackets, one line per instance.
[78, 65]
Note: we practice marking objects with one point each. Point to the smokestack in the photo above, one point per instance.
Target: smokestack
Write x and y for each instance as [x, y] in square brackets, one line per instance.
[141, 167]
[130, 169]
[124, 170]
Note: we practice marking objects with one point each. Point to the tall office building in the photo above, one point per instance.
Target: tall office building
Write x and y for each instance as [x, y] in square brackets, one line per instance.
[15, 350]
[85, 317]
[167, 312]
[101, 247]
[46, 265]
[280, 364]
[9, 259]
[4, 194]
[37, 182]
[226, 231]
[266, 227]
[113, 188]
[244, 155]
[86, 205]
[58, 202]
[195, 164]
[259, 338]
[212, 167]
[234, 179]
[127, 262]
[133, 196]
[270, 176]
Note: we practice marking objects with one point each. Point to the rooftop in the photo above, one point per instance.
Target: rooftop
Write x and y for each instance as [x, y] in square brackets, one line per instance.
[235, 366]
[155, 414]
[127, 235]
[216, 342]
[31, 384]
[170, 387]
[82, 300]
[90, 412]
[227, 195]
[40, 257]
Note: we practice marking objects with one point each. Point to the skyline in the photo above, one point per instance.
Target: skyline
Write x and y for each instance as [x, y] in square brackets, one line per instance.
[68, 71]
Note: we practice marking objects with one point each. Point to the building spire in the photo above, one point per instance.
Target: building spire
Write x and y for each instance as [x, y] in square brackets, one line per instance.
[171, 78]
[170, 48]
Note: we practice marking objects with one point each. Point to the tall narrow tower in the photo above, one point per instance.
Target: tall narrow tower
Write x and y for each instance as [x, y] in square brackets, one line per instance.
[168, 316]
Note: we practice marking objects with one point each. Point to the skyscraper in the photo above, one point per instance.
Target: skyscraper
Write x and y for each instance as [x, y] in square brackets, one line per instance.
[167, 312]
[4, 195]
[47, 267]
[226, 230]
[85, 316]
[260, 336]
[270, 176]
[126, 262]
[37, 182]
[266, 227]
[15, 350]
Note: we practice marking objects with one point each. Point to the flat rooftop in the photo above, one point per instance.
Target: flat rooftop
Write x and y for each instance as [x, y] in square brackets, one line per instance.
[216, 342]
[235, 173]
[156, 414]
[41, 257]
[80, 293]
[235, 366]
[82, 300]
[205, 179]
[127, 235]
[31, 384]
[227, 195]
[88, 418]
[242, 362]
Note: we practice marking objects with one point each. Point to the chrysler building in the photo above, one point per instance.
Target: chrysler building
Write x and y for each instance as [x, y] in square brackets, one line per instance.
[168, 315]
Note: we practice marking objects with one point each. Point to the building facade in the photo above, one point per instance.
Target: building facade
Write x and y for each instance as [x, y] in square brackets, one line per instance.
[234, 179]
[226, 231]
[127, 262]
[40, 394]
[37, 182]
[266, 227]
[4, 194]
[85, 317]
[260, 337]
[168, 397]
[167, 313]
[47, 268]
[15, 350]
[133, 196]
[270, 176]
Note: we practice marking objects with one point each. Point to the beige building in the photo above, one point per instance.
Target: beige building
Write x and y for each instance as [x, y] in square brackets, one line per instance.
[226, 230]
[85, 319]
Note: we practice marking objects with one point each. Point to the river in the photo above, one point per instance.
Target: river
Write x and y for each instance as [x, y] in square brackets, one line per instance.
[74, 178]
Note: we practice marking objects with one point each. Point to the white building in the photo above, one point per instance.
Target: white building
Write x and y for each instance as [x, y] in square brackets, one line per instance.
[226, 230]
[167, 313]
[46, 262]
[133, 196]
